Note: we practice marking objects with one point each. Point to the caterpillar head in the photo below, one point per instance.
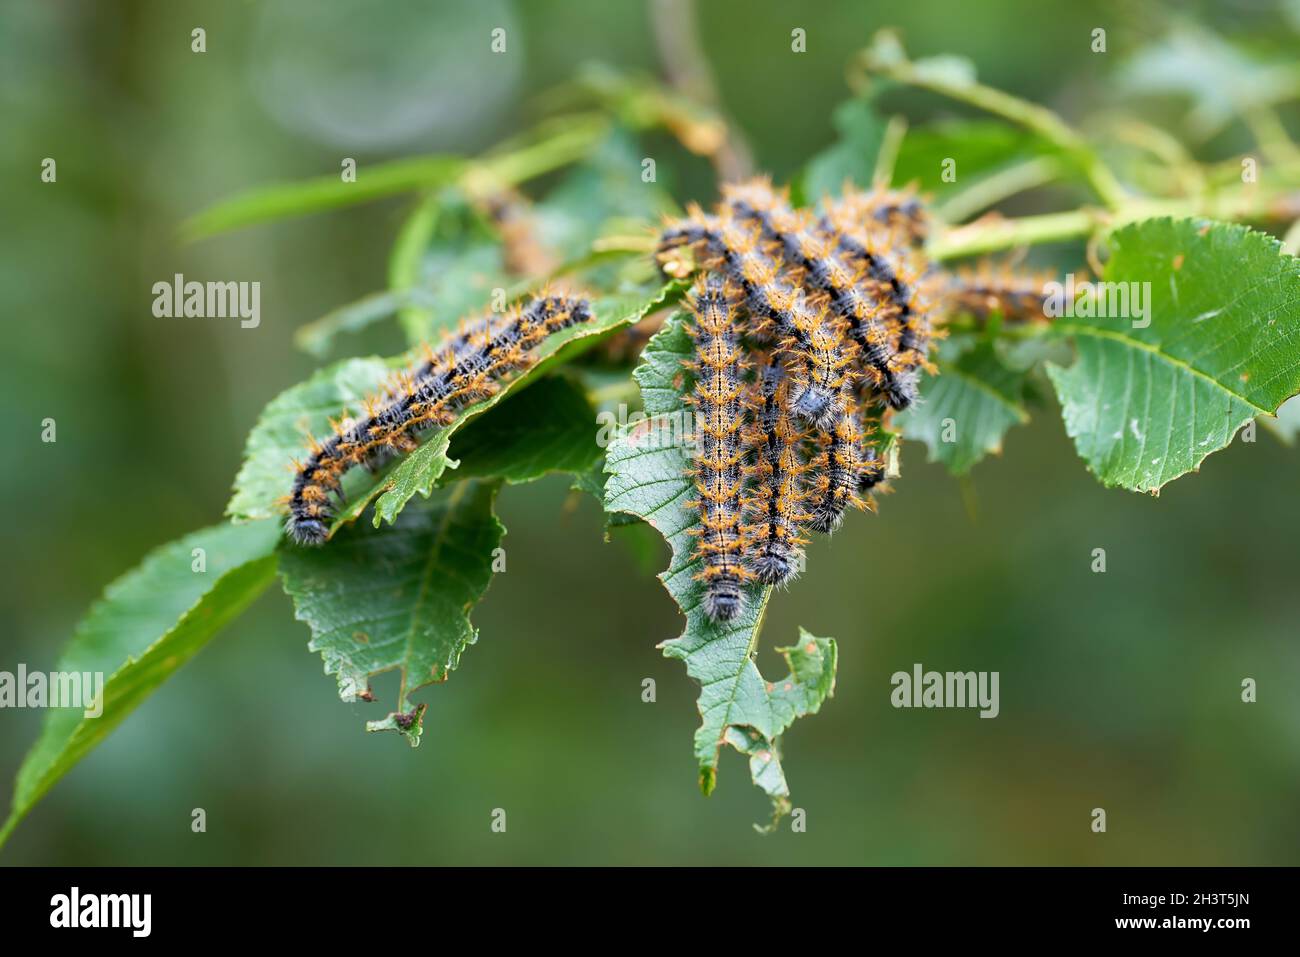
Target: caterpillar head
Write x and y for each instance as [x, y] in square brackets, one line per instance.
[307, 530]
[817, 404]
[775, 563]
[724, 600]
[902, 389]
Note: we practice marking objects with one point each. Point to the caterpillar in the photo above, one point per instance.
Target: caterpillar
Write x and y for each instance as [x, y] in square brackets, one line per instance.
[991, 287]
[776, 505]
[892, 270]
[780, 312]
[523, 251]
[872, 475]
[718, 401]
[816, 258]
[465, 368]
[838, 468]
[901, 212]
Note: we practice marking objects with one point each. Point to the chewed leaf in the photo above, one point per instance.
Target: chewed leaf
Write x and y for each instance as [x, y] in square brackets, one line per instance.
[649, 467]
[398, 598]
[1210, 339]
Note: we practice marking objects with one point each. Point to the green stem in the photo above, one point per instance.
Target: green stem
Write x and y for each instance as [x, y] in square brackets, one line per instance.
[991, 235]
[516, 166]
[890, 144]
[998, 234]
[1271, 136]
[991, 190]
[886, 57]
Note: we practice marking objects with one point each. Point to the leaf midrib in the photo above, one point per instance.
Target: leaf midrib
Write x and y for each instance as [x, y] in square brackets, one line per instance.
[1180, 364]
[435, 550]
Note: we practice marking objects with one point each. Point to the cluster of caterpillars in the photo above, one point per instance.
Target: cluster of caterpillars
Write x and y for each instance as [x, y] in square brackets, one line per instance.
[468, 366]
[811, 328]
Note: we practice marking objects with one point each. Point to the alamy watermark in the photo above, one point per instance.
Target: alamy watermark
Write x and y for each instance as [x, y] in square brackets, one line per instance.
[129, 911]
[946, 689]
[53, 689]
[209, 300]
[1098, 300]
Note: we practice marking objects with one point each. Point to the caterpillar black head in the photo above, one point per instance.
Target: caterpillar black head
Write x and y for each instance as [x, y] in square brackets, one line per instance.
[724, 599]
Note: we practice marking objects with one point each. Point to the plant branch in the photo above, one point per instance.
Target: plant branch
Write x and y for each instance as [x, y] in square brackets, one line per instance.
[887, 58]
[992, 234]
[991, 190]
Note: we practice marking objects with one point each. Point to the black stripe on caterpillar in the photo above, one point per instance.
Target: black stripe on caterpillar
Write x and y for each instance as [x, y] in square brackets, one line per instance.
[815, 256]
[899, 211]
[891, 272]
[465, 368]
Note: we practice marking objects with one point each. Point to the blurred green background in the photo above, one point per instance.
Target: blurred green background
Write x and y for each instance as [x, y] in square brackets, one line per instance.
[1119, 690]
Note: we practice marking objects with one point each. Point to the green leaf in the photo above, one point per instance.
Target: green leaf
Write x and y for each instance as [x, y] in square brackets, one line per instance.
[421, 470]
[148, 623]
[317, 338]
[548, 427]
[282, 200]
[453, 257]
[605, 186]
[852, 156]
[650, 478]
[549, 146]
[1146, 405]
[281, 431]
[1222, 81]
[966, 409]
[398, 598]
[980, 148]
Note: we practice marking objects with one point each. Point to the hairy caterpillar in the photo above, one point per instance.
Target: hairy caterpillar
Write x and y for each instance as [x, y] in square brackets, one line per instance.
[779, 311]
[465, 368]
[719, 424]
[893, 269]
[991, 287]
[899, 211]
[816, 259]
[776, 505]
[522, 250]
[838, 468]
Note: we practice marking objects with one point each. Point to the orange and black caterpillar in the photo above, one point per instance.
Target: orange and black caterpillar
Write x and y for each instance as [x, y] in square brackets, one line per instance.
[867, 308]
[465, 368]
[838, 468]
[900, 211]
[779, 312]
[873, 233]
[719, 472]
[775, 507]
[994, 287]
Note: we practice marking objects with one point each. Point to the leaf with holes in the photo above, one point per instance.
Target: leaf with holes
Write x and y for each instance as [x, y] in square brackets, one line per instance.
[398, 598]
[649, 466]
[1216, 342]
